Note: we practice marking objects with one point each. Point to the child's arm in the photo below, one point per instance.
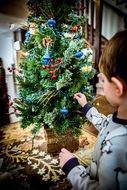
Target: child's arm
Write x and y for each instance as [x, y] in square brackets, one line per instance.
[99, 120]
[111, 168]
[76, 173]
[96, 118]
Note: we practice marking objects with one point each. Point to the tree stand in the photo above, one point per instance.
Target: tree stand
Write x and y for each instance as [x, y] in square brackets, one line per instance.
[56, 142]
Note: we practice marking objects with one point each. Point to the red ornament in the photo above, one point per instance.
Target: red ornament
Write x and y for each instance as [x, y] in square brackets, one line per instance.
[74, 29]
[47, 66]
[14, 70]
[58, 60]
[78, 25]
[51, 72]
[54, 76]
[52, 66]
[51, 60]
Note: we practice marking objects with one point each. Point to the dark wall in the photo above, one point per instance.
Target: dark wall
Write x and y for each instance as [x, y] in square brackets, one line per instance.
[4, 107]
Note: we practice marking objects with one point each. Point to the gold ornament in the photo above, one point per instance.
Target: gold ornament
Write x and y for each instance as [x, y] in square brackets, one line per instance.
[86, 69]
[47, 41]
[32, 28]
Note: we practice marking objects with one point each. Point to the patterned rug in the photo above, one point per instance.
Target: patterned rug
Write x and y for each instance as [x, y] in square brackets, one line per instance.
[25, 163]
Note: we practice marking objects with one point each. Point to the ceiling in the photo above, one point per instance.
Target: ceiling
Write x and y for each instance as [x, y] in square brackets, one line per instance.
[12, 13]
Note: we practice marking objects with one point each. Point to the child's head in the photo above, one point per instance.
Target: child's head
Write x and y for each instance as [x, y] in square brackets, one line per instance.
[113, 61]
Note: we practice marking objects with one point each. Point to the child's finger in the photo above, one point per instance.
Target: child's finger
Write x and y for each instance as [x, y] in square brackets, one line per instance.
[77, 95]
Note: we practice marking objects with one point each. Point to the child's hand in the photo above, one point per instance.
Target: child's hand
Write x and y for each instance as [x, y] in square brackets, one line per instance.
[81, 98]
[64, 156]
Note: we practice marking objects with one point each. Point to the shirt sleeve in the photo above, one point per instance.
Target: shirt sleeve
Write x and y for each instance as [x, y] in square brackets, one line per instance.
[96, 118]
[111, 169]
[80, 179]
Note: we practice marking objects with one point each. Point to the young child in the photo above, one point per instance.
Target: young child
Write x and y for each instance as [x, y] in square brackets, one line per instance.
[108, 168]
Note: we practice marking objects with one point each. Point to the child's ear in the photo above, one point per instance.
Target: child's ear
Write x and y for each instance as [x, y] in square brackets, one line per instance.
[118, 86]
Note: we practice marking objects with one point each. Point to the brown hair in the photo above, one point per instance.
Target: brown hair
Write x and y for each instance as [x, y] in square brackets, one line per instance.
[113, 61]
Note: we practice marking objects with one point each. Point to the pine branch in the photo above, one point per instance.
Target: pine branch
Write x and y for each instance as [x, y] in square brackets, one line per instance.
[44, 99]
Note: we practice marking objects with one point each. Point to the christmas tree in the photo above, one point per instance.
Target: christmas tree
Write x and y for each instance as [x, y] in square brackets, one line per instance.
[56, 65]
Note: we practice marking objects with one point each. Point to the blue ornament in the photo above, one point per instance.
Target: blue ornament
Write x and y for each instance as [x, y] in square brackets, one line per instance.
[46, 57]
[28, 100]
[51, 22]
[64, 111]
[79, 54]
[27, 35]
